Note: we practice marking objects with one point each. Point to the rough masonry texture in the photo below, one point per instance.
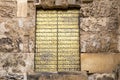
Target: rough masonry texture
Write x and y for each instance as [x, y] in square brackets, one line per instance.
[16, 33]
[99, 25]
[99, 33]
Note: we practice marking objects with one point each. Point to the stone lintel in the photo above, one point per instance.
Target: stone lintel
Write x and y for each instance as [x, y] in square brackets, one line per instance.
[62, 4]
[58, 6]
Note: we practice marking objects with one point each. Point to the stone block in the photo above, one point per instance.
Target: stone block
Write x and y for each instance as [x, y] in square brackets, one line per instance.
[22, 8]
[104, 76]
[99, 34]
[16, 63]
[98, 42]
[99, 62]
[61, 3]
[31, 11]
[71, 1]
[58, 2]
[3, 28]
[59, 76]
[92, 24]
[13, 31]
[99, 8]
[47, 3]
[7, 9]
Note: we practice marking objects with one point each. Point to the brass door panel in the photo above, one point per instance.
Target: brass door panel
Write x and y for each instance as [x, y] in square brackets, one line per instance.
[57, 41]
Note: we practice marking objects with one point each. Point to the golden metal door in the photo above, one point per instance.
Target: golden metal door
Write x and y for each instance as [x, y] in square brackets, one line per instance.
[57, 41]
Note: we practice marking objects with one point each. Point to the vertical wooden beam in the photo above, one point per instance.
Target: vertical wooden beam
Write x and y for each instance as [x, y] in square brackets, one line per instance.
[21, 8]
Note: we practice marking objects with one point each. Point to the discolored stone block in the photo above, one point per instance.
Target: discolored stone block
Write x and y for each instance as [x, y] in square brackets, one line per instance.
[22, 8]
[99, 62]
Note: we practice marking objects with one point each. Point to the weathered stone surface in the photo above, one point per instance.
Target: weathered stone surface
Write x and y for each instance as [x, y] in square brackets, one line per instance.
[22, 8]
[12, 39]
[99, 8]
[118, 25]
[31, 11]
[13, 30]
[12, 35]
[53, 4]
[119, 73]
[92, 24]
[99, 26]
[105, 76]
[98, 42]
[14, 77]
[14, 63]
[7, 9]
[118, 45]
[59, 76]
[61, 2]
[71, 1]
[99, 29]
[99, 63]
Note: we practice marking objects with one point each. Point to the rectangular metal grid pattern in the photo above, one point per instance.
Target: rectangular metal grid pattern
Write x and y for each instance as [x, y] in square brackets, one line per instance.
[57, 41]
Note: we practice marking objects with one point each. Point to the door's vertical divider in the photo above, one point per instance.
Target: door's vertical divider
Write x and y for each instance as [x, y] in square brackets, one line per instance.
[79, 40]
[35, 50]
[57, 41]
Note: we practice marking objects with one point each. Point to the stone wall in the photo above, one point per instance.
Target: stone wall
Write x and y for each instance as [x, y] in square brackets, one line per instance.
[16, 63]
[16, 33]
[99, 29]
[99, 33]
[99, 25]
[17, 36]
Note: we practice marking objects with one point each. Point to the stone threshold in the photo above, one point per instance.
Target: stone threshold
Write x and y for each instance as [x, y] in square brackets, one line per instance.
[58, 76]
